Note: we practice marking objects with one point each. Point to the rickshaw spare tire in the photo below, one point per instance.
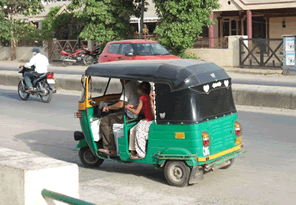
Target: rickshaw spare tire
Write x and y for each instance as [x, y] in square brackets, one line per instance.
[88, 159]
[177, 173]
[227, 166]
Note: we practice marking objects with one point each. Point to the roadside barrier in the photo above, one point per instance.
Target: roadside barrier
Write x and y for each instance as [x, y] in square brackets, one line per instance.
[63, 198]
[24, 176]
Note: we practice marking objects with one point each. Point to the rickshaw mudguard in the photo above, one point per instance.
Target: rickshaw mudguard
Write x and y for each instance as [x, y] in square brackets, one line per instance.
[82, 143]
[86, 128]
[177, 154]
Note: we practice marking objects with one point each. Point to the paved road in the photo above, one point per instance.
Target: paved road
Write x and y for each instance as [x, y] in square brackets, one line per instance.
[237, 78]
[266, 174]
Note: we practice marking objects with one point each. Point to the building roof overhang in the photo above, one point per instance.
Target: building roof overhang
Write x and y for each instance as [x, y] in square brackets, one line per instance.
[255, 5]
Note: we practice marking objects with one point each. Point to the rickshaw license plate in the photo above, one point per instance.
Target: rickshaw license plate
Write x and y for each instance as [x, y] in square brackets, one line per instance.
[51, 81]
[238, 140]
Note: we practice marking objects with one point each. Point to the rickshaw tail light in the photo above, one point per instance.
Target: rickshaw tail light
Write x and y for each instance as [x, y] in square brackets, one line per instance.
[78, 115]
[238, 128]
[205, 139]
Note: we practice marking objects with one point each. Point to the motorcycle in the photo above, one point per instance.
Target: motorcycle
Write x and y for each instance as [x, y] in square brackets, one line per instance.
[91, 57]
[70, 58]
[43, 85]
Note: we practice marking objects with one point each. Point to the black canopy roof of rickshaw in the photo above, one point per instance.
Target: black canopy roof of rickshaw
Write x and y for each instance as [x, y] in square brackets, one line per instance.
[179, 74]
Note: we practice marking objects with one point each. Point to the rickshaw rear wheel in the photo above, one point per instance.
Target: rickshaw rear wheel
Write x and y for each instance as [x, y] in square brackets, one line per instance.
[231, 163]
[177, 173]
[88, 159]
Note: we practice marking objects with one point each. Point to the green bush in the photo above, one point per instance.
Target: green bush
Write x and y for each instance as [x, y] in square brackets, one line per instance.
[189, 55]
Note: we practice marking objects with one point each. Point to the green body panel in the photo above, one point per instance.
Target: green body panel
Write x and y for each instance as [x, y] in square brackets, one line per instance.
[162, 144]
[82, 143]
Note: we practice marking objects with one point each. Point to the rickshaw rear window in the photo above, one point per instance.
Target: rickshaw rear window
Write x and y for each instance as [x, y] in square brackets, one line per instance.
[218, 102]
[187, 106]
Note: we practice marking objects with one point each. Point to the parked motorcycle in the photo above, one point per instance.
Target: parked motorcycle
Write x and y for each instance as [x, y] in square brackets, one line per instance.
[71, 58]
[43, 85]
[91, 57]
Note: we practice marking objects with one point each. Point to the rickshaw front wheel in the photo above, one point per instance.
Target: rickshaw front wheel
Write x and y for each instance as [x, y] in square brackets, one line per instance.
[88, 159]
[177, 173]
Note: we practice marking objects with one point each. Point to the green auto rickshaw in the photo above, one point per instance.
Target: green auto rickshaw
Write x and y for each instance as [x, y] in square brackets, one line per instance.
[195, 128]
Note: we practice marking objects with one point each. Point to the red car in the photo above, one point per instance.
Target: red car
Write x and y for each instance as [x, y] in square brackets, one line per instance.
[134, 50]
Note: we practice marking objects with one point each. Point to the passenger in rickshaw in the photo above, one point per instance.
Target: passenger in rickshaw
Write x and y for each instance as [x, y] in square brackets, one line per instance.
[130, 96]
[139, 133]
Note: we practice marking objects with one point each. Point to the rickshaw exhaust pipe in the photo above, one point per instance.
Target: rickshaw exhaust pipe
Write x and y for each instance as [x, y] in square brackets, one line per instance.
[213, 168]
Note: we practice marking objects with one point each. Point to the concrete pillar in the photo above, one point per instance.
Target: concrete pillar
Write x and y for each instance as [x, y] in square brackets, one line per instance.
[211, 32]
[233, 44]
[23, 176]
[90, 45]
[249, 23]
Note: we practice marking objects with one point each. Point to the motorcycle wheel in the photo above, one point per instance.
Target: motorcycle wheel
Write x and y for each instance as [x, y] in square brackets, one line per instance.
[88, 60]
[46, 98]
[22, 91]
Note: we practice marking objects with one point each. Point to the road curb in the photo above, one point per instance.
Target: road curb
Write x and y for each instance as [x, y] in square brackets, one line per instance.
[250, 95]
[264, 98]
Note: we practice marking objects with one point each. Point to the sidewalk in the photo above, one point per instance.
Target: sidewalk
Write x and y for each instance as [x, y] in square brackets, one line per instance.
[238, 75]
[52, 66]
[58, 66]
[254, 71]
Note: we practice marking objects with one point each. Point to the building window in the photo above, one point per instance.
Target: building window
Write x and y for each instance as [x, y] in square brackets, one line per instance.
[233, 27]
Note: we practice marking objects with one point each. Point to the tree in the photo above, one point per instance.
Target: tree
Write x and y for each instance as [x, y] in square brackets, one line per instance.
[12, 29]
[181, 21]
[106, 20]
[56, 25]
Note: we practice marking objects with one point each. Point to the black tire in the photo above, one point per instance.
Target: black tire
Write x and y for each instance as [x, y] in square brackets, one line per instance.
[88, 159]
[47, 98]
[177, 173]
[88, 60]
[21, 91]
[231, 163]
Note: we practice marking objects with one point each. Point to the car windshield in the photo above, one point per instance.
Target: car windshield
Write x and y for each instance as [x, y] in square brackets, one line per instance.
[149, 49]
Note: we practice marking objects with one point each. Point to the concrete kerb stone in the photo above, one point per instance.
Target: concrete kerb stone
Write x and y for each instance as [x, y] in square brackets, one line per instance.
[23, 176]
[264, 96]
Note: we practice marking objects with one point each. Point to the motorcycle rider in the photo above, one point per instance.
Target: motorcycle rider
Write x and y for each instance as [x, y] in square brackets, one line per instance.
[40, 62]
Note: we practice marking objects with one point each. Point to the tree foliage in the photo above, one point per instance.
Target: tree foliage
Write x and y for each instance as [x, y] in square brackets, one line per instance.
[12, 29]
[181, 22]
[106, 20]
[56, 25]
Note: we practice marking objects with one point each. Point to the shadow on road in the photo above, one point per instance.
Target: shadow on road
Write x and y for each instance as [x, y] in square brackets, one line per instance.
[16, 97]
[147, 171]
[60, 144]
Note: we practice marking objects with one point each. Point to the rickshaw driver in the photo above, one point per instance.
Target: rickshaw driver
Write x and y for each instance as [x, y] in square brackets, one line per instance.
[130, 96]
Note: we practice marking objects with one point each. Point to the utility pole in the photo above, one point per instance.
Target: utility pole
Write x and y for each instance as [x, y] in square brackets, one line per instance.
[142, 20]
